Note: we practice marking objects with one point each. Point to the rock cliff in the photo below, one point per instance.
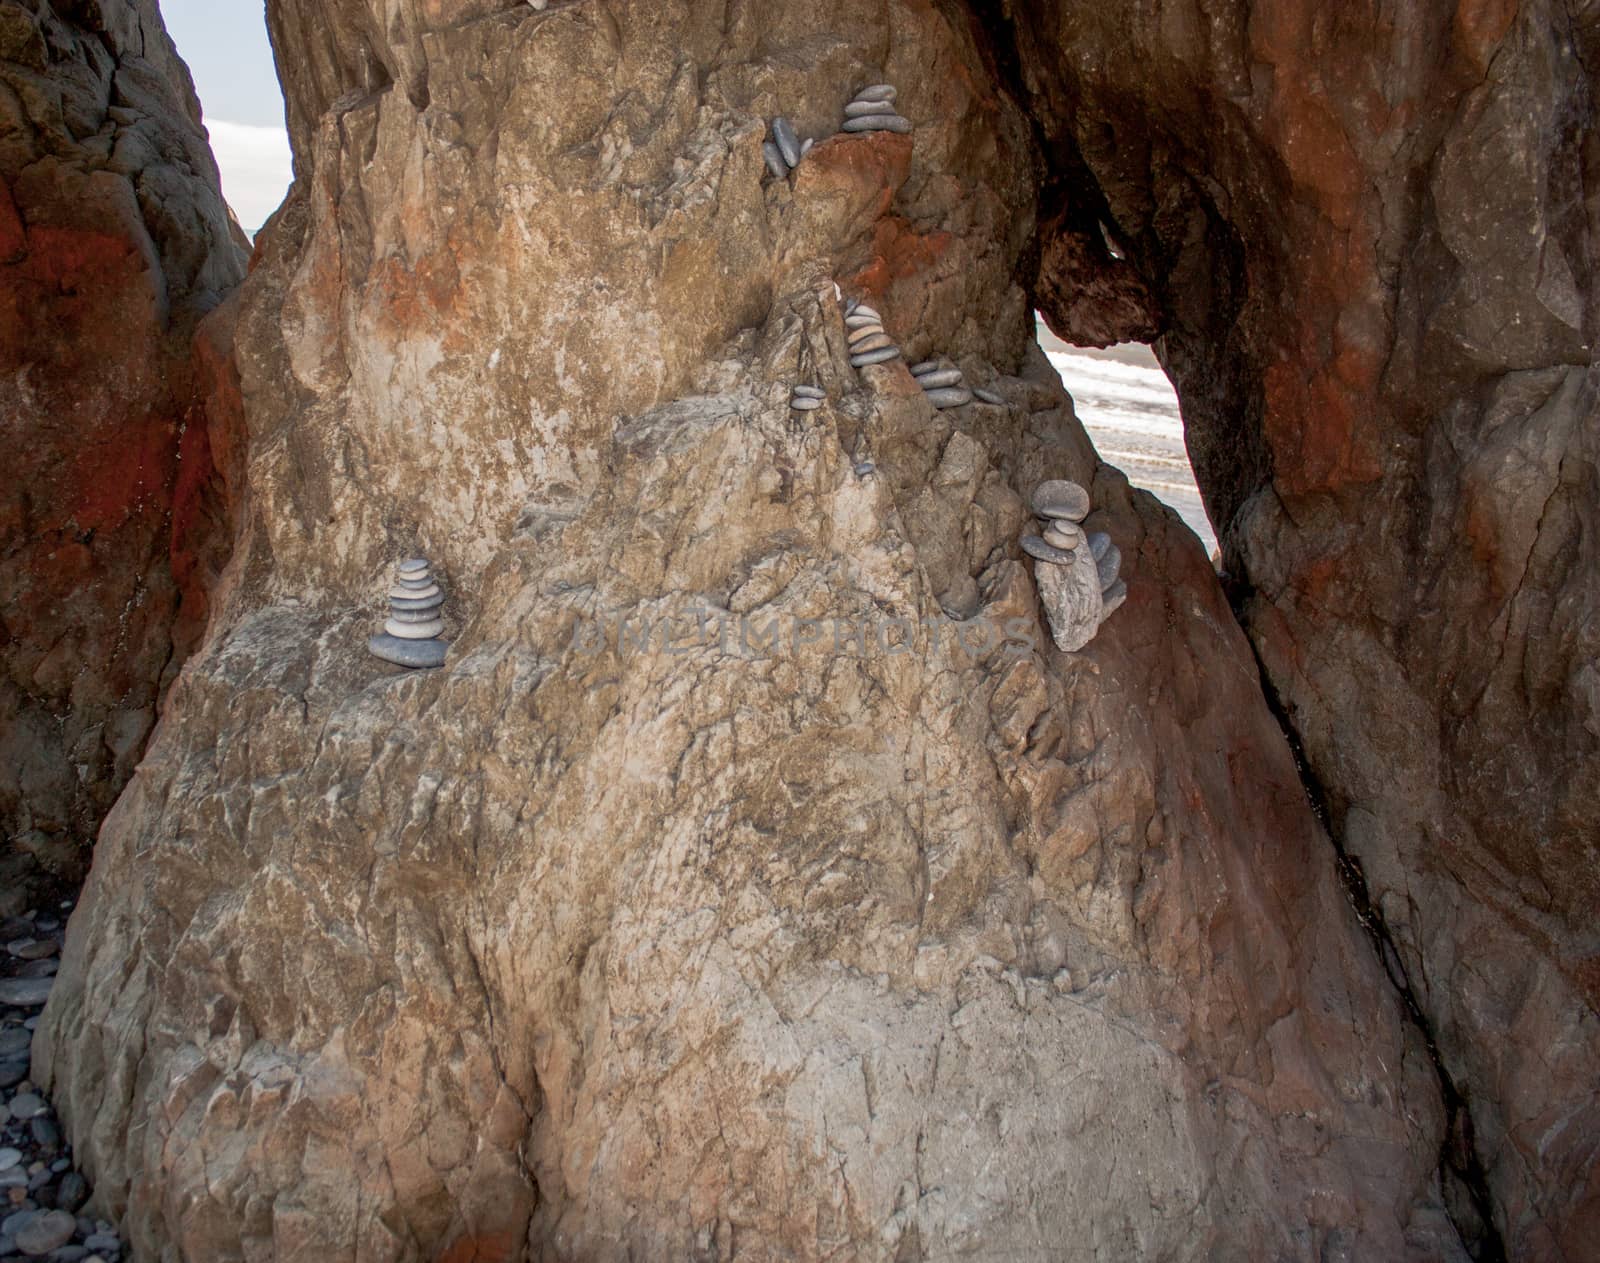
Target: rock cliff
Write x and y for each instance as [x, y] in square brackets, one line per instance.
[114, 242]
[1371, 234]
[678, 916]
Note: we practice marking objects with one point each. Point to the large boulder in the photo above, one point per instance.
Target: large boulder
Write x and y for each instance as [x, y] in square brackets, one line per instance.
[114, 242]
[1371, 233]
[677, 916]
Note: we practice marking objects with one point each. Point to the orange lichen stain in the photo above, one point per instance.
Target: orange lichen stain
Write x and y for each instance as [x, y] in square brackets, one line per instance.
[493, 1247]
[899, 251]
[421, 297]
[1480, 25]
[879, 161]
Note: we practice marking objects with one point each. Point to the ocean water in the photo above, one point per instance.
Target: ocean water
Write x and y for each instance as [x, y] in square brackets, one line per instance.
[1131, 412]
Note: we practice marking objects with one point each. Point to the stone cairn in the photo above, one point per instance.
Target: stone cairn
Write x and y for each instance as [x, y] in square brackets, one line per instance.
[784, 151]
[807, 398]
[873, 111]
[411, 636]
[863, 330]
[1077, 581]
[942, 382]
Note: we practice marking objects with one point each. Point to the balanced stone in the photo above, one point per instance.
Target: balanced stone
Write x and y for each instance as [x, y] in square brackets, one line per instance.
[1115, 595]
[1061, 499]
[412, 616]
[412, 566]
[414, 631]
[878, 92]
[926, 366]
[26, 1105]
[950, 397]
[398, 603]
[881, 356]
[988, 397]
[858, 321]
[408, 653]
[788, 142]
[877, 123]
[938, 377]
[405, 592]
[1099, 544]
[863, 332]
[1062, 534]
[805, 147]
[861, 309]
[774, 159]
[1038, 549]
[859, 107]
[874, 342]
[804, 403]
[811, 392]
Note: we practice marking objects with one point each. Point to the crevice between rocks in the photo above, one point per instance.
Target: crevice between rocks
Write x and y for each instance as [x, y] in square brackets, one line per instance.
[1462, 1177]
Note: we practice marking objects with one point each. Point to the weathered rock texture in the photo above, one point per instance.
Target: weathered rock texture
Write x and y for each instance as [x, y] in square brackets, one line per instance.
[114, 241]
[1372, 232]
[584, 950]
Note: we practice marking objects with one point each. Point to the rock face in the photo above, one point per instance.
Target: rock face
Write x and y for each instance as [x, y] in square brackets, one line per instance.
[114, 241]
[1373, 238]
[684, 913]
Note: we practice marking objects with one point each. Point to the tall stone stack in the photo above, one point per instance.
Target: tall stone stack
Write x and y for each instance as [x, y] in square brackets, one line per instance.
[410, 637]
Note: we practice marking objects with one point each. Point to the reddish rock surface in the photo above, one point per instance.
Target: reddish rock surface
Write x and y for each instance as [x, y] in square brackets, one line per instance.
[1372, 232]
[114, 240]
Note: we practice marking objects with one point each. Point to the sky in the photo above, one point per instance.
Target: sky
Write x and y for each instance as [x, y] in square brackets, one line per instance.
[225, 44]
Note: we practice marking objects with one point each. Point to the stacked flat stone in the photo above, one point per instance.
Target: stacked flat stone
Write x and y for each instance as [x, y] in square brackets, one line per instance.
[864, 331]
[943, 383]
[411, 636]
[784, 151]
[807, 398]
[1077, 581]
[873, 111]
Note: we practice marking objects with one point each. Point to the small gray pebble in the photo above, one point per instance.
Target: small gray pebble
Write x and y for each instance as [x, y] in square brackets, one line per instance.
[49, 1231]
[61, 1165]
[800, 403]
[9, 1158]
[949, 397]
[26, 1105]
[1099, 544]
[788, 142]
[38, 969]
[878, 123]
[810, 392]
[73, 1192]
[46, 1135]
[103, 1241]
[988, 397]
[940, 377]
[875, 357]
[24, 992]
[774, 159]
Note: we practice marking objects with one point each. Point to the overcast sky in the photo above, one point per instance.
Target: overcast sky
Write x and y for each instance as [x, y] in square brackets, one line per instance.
[225, 44]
